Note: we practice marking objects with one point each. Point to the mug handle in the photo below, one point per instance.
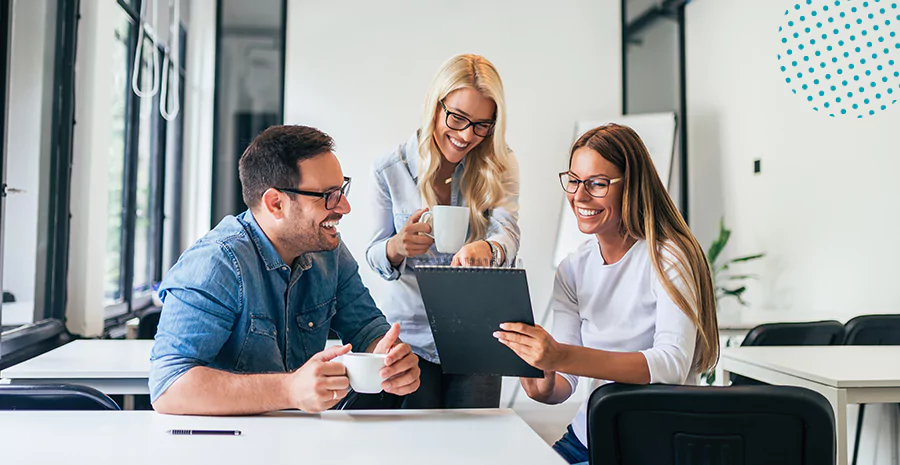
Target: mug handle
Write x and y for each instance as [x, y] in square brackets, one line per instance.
[424, 219]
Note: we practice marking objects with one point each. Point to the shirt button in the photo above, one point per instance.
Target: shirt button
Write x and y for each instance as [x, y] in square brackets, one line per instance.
[311, 324]
[284, 268]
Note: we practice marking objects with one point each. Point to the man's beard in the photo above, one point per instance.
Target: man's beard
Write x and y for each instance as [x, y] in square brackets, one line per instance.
[309, 238]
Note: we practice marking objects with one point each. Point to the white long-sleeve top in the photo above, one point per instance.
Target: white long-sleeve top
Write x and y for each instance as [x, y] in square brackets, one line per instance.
[621, 307]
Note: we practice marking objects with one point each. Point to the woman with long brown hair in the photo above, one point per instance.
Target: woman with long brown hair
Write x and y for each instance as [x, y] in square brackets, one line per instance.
[635, 304]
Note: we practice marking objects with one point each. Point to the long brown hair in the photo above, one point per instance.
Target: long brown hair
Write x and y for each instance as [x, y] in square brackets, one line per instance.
[491, 176]
[649, 213]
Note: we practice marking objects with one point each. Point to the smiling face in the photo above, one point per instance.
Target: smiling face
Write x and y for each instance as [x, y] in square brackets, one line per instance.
[471, 104]
[598, 216]
[307, 225]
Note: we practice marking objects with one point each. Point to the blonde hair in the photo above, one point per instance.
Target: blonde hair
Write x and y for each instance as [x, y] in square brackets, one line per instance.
[490, 173]
[649, 213]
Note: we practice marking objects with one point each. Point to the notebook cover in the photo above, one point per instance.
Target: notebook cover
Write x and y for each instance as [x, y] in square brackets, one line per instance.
[465, 306]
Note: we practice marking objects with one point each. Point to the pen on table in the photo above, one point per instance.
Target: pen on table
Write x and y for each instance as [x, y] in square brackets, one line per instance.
[203, 432]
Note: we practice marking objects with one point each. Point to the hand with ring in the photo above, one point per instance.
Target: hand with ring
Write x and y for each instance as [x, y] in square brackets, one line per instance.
[308, 387]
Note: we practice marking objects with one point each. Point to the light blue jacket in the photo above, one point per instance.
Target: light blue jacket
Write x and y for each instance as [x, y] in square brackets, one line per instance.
[396, 198]
[231, 303]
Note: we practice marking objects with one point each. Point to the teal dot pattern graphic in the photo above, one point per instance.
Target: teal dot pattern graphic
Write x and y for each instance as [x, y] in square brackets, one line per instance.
[842, 56]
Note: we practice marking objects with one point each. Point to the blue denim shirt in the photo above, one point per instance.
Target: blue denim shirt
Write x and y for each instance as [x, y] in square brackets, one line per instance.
[231, 303]
[395, 200]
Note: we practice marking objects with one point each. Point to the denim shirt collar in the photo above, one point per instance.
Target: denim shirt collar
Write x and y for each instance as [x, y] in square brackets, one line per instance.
[410, 154]
[270, 257]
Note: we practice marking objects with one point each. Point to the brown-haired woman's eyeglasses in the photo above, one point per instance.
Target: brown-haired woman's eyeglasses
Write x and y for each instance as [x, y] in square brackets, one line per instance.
[596, 186]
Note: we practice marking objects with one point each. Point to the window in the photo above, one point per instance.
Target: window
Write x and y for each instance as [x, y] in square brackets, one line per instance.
[249, 90]
[144, 204]
[37, 86]
[653, 72]
[120, 93]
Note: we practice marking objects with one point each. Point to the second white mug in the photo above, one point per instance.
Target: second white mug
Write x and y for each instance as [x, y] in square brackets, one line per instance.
[449, 227]
[364, 371]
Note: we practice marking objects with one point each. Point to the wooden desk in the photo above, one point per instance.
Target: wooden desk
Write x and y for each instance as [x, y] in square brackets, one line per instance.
[843, 374]
[435, 437]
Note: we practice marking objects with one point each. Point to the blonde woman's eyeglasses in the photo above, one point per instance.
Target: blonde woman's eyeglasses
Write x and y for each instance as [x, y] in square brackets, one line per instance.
[458, 122]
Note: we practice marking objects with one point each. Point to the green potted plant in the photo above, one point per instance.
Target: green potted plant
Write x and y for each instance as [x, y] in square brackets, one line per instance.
[720, 275]
[724, 282]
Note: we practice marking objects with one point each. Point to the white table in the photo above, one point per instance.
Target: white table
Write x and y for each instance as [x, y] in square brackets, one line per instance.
[843, 374]
[111, 366]
[372, 437]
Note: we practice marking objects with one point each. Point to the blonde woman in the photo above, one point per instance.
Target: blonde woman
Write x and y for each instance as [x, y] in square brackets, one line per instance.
[458, 156]
[634, 305]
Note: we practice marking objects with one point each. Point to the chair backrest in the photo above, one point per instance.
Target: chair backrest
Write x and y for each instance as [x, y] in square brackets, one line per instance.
[148, 322]
[692, 425]
[53, 397]
[873, 330]
[813, 333]
[380, 401]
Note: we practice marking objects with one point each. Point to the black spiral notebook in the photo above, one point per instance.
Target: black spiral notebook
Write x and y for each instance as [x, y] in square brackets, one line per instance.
[465, 306]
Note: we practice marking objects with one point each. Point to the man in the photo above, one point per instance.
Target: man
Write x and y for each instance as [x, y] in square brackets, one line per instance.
[248, 308]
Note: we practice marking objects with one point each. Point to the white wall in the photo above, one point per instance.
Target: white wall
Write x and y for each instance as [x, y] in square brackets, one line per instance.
[90, 172]
[362, 76]
[30, 113]
[198, 121]
[823, 208]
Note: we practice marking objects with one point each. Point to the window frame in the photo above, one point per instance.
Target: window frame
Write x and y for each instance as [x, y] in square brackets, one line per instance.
[672, 10]
[133, 302]
[48, 329]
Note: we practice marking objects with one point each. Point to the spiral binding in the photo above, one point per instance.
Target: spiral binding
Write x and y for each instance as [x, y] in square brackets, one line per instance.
[467, 268]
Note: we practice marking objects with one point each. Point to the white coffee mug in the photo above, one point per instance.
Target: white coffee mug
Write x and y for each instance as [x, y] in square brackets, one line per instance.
[364, 371]
[449, 228]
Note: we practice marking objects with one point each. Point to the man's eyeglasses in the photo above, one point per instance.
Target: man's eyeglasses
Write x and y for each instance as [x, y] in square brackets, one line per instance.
[458, 122]
[596, 186]
[332, 197]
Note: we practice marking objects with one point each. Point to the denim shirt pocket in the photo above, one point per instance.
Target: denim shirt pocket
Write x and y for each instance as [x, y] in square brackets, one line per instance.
[260, 352]
[314, 323]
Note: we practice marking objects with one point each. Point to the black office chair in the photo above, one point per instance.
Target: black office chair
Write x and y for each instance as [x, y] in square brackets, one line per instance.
[814, 333]
[148, 322]
[873, 330]
[53, 397]
[380, 401]
[692, 425]
[870, 330]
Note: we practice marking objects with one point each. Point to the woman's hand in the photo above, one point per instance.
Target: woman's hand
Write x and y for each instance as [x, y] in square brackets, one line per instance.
[540, 389]
[473, 254]
[532, 344]
[408, 242]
